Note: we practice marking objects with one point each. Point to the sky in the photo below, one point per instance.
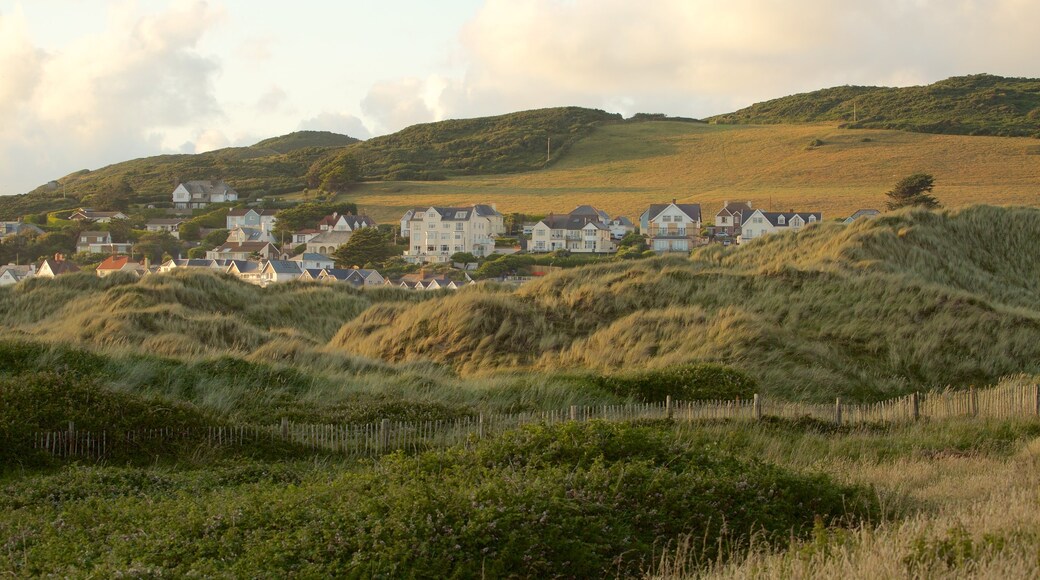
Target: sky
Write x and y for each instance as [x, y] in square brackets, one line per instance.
[87, 83]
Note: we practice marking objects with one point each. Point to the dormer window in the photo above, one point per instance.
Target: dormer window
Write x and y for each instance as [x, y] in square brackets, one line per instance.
[781, 220]
[812, 219]
[460, 215]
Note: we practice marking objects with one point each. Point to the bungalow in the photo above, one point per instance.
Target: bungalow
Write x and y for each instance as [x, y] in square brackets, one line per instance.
[56, 266]
[275, 271]
[336, 222]
[13, 274]
[170, 265]
[672, 227]
[584, 230]
[312, 274]
[729, 219]
[356, 276]
[113, 264]
[168, 225]
[314, 261]
[760, 223]
[199, 194]
[262, 219]
[245, 270]
[862, 214]
[101, 217]
[243, 251]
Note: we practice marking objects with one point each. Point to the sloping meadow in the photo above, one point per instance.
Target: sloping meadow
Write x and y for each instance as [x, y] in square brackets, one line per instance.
[908, 301]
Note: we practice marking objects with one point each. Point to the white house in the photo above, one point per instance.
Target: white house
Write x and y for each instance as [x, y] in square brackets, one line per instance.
[261, 219]
[337, 222]
[101, 217]
[171, 226]
[356, 276]
[56, 266]
[8, 229]
[435, 233]
[242, 234]
[672, 227]
[620, 227]
[276, 271]
[170, 265]
[199, 194]
[314, 261]
[584, 230]
[304, 236]
[327, 242]
[243, 251]
[100, 243]
[761, 223]
[13, 273]
[245, 270]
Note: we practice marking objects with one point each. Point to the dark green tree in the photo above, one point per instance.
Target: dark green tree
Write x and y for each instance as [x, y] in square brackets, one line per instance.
[365, 246]
[121, 230]
[190, 231]
[913, 191]
[214, 239]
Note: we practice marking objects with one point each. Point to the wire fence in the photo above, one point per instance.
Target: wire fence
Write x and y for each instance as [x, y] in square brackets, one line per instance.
[379, 438]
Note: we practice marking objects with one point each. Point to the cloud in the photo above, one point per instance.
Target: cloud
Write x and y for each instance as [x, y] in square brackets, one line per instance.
[342, 123]
[272, 100]
[700, 57]
[105, 97]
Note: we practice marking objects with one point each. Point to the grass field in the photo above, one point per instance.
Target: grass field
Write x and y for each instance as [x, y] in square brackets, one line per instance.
[623, 168]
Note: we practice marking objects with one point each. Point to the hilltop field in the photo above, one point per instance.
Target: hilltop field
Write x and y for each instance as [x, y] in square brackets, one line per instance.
[623, 168]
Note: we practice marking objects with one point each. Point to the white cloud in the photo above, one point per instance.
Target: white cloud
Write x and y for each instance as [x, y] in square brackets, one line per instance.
[342, 123]
[700, 57]
[105, 97]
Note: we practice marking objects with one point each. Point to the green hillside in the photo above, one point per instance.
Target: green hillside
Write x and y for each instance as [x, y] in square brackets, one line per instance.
[969, 105]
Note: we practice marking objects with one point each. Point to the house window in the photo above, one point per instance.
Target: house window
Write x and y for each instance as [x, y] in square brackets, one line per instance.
[458, 227]
[781, 220]
[812, 218]
[444, 248]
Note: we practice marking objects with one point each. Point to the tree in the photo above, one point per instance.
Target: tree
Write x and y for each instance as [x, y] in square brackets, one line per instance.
[190, 231]
[913, 191]
[365, 246]
[121, 230]
[306, 216]
[154, 245]
[214, 239]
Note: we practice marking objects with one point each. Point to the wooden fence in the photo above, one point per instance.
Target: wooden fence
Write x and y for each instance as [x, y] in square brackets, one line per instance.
[375, 439]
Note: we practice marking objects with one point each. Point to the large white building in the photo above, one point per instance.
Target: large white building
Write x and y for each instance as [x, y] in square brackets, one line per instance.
[198, 194]
[435, 233]
[585, 230]
[672, 227]
[761, 223]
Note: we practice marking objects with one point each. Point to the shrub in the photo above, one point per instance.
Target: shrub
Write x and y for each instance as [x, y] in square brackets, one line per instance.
[695, 382]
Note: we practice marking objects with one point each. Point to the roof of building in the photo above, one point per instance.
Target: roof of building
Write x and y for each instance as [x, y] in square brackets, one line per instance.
[692, 210]
[307, 231]
[59, 266]
[251, 234]
[118, 263]
[457, 214]
[283, 267]
[12, 228]
[773, 217]
[331, 237]
[166, 221]
[239, 212]
[862, 213]
[311, 257]
[243, 266]
[91, 214]
[93, 234]
[206, 187]
[570, 222]
[236, 247]
[622, 220]
[734, 207]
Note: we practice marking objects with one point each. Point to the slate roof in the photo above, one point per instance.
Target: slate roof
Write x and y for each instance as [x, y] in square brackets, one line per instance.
[207, 188]
[692, 210]
[591, 212]
[243, 211]
[735, 207]
[862, 213]
[622, 220]
[243, 266]
[62, 267]
[331, 237]
[459, 214]
[774, 217]
[236, 247]
[284, 267]
[570, 222]
[311, 257]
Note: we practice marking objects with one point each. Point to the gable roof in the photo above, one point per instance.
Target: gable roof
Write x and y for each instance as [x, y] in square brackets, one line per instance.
[240, 212]
[117, 263]
[58, 267]
[862, 213]
[207, 187]
[311, 257]
[691, 210]
[331, 237]
[243, 266]
[773, 217]
[622, 221]
[165, 221]
[570, 222]
[283, 267]
[735, 208]
[456, 214]
[235, 247]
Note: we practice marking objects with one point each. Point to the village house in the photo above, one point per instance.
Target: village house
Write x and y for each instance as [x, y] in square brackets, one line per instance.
[245, 270]
[729, 219]
[435, 233]
[199, 194]
[171, 265]
[168, 225]
[243, 251]
[276, 271]
[304, 236]
[620, 227]
[584, 230]
[56, 266]
[100, 217]
[91, 242]
[672, 227]
[347, 222]
[9, 229]
[762, 223]
[309, 261]
[242, 234]
[13, 273]
[327, 242]
[862, 214]
[260, 219]
[113, 264]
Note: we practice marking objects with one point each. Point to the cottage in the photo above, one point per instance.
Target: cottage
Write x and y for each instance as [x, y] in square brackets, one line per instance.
[347, 222]
[760, 223]
[245, 270]
[13, 273]
[672, 227]
[168, 225]
[275, 271]
[314, 261]
[357, 276]
[96, 242]
[171, 265]
[101, 217]
[261, 219]
[435, 233]
[114, 264]
[199, 194]
[56, 266]
[304, 236]
[242, 234]
[584, 230]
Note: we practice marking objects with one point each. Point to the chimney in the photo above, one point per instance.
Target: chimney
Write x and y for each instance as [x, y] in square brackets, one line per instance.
[58, 257]
[790, 211]
[673, 201]
[422, 273]
[749, 204]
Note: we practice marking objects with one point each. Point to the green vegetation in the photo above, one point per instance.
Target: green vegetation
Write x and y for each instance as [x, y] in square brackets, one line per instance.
[912, 191]
[366, 247]
[970, 105]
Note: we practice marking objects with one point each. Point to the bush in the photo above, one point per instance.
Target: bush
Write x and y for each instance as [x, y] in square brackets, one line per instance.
[695, 382]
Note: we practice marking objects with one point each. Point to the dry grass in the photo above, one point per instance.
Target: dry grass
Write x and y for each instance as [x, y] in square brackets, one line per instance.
[624, 168]
[975, 515]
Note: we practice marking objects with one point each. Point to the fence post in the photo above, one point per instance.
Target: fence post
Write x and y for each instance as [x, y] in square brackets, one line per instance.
[668, 406]
[973, 402]
[574, 412]
[480, 426]
[915, 406]
[70, 440]
[756, 407]
[384, 435]
[285, 428]
[837, 410]
[1036, 400]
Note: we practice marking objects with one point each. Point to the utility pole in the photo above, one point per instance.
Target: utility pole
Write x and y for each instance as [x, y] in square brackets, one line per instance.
[548, 149]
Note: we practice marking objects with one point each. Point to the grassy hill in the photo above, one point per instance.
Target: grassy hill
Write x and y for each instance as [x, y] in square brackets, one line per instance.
[970, 105]
[623, 168]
